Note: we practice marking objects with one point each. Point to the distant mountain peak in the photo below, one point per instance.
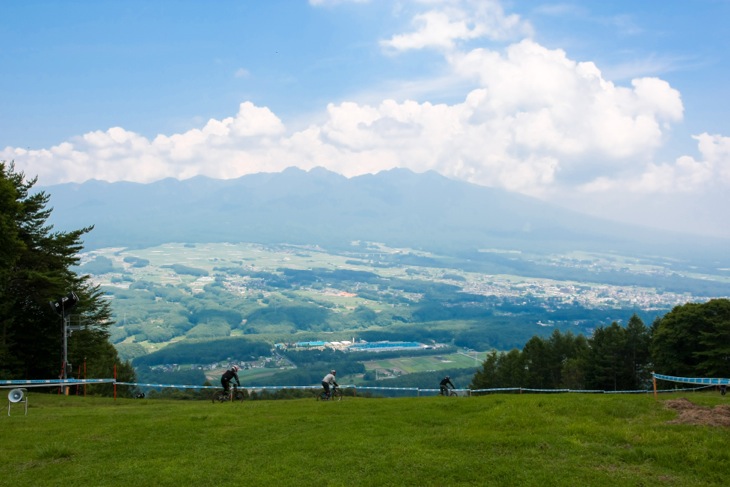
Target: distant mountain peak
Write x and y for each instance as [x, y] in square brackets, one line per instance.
[397, 207]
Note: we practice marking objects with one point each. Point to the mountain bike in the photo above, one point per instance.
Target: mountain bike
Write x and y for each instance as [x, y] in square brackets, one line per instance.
[230, 395]
[449, 393]
[334, 395]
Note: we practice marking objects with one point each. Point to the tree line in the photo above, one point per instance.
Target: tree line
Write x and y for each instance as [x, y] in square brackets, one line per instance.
[692, 340]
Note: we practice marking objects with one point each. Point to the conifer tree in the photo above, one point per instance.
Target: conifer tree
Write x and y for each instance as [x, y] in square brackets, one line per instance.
[36, 269]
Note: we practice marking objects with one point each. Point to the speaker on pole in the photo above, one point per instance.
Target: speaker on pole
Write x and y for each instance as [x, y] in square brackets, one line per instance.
[15, 396]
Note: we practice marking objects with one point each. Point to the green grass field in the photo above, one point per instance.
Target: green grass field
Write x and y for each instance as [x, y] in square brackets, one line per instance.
[500, 440]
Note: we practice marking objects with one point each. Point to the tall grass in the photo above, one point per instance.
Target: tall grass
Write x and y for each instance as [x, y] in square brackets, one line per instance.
[501, 440]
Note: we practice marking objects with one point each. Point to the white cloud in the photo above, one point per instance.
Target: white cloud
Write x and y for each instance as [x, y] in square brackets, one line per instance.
[459, 20]
[537, 119]
[222, 149]
[685, 175]
[554, 107]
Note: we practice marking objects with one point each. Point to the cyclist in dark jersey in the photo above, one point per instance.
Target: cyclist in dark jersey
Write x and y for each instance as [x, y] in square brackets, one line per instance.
[228, 375]
[443, 385]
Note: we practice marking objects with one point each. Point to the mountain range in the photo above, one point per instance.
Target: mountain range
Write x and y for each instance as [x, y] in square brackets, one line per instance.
[399, 208]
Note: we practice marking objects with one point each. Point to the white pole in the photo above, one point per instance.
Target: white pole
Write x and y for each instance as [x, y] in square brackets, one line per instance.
[65, 348]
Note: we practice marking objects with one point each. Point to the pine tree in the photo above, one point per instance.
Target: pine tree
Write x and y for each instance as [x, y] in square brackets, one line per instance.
[36, 268]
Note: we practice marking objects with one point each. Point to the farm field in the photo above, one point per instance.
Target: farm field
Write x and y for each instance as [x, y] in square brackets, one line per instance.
[430, 363]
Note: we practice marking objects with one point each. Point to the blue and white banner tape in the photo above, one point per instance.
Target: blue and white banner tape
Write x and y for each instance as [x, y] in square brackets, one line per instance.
[52, 382]
[693, 380]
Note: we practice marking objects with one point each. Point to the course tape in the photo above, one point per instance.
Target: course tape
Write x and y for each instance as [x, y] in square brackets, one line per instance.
[52, 382]
[412, 389]
[692, 380]
[703, 382]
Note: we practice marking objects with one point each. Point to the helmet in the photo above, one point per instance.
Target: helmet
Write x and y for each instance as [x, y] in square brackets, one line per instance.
[234, 368]
[448, 378]
[333, 372]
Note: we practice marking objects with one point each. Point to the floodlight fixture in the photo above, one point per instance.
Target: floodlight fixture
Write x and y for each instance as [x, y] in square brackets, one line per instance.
[65, 304]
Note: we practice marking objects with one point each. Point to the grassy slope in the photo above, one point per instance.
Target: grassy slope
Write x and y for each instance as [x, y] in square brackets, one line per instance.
[540, 440]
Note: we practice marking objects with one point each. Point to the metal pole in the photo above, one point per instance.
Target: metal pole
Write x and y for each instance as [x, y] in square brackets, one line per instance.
[65, 351]
[65, 348]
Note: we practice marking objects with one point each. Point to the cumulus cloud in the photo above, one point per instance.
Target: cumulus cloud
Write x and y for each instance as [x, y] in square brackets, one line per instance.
[221, 149]
[535, 119]
[711, 172]
[451, 22]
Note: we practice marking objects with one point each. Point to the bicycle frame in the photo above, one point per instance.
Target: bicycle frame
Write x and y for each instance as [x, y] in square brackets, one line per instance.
[229, 395]
[334, 394]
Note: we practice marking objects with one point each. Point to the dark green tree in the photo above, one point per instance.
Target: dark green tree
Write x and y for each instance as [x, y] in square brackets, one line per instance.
[605, 368]
[573, 373]
[486, 376]
[618, 357]
[512, 371]
[637, 359]
[11, 247]
[36, 268]
[693, 340]
[537, 358]
[501, 369]
[559, 350]
[573, 350]
[716, 354]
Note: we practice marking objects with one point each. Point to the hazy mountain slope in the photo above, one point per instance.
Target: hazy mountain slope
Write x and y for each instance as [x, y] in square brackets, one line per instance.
[397, 207]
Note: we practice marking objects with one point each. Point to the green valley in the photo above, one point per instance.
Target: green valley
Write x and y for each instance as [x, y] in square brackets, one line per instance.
[184, 311]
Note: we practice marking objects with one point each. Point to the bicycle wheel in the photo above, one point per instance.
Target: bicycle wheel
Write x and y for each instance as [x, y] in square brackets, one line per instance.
[453, 393]
[218, 396]
[337, 395]
[238, 396]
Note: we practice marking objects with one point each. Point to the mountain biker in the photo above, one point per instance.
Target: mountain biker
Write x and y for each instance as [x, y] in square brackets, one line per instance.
[229, 374]
[443, 385]
[328, 380]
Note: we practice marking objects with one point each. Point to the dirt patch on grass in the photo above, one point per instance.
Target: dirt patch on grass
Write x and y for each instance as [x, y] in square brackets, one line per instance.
[689, 413]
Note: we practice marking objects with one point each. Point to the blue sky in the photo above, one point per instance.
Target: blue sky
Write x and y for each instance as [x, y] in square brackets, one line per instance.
[615, 108]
